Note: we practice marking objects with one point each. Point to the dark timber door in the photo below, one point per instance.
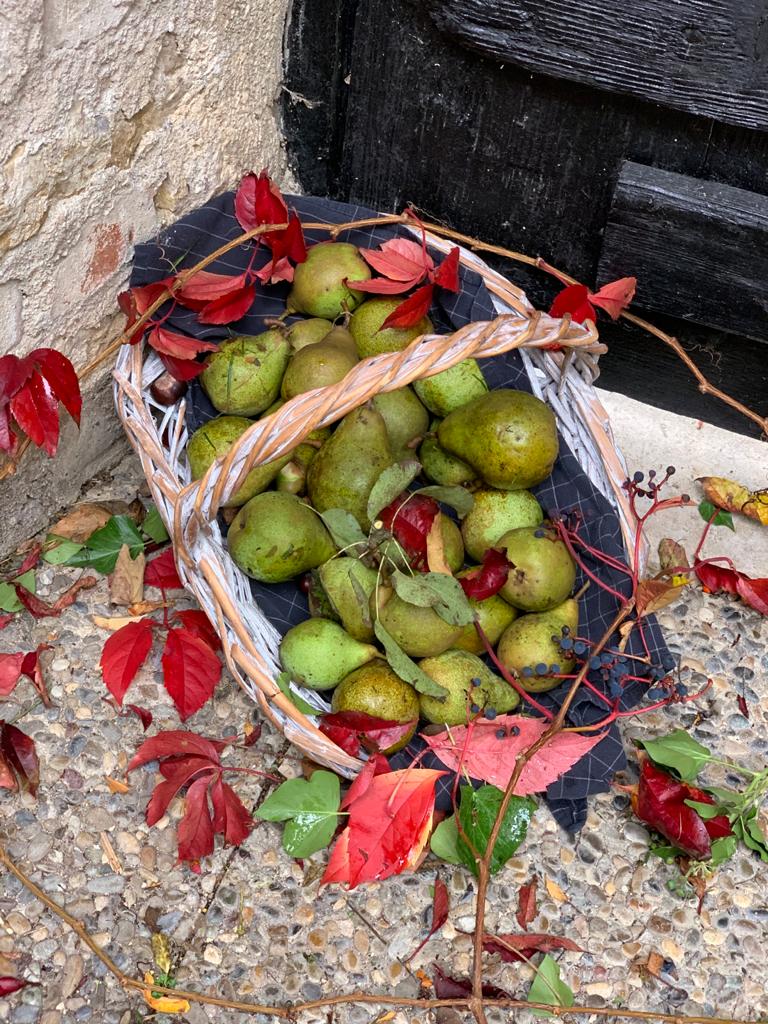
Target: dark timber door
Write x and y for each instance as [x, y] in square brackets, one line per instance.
[609, 138]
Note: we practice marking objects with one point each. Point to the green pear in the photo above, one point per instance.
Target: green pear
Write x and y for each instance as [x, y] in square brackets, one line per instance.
[319, 283]
[375, 690]
[441, 467]
[318, 653]
[493, 514]
[292, 478]
[349, 585]
[543, 571]
[509, 437]
[406, 420]
[469, 683]
[307, 332]
[349, 464]
[275, 536]
[213, 440]
[492, 614]
[365, 327]
[419, 631]
[452, 388]
[528, 644]
[243, 377]
[316, 366]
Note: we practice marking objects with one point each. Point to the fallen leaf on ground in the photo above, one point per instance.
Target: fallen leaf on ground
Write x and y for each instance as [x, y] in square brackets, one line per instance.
[447, 987]
[555, 891]
[81, 522]
[147, 607]
[733, 497]
[163, 1004]
[440, 907]
[526, 902]
[19, 766]
[10, 985]
[654, 964]
[115, 622]
[655, 594]
[161, 572]
[41, 609]
[126, 584]
[10, 672]
[520, 948]
[115, 785]
[123, 655]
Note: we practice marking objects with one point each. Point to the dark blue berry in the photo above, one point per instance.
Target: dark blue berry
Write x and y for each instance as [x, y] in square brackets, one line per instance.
[539, 534]
[579, 647]
[474, 708]
[616, 689]
[670, 470]
[606, 658]
[490, 713]
[554, 669]
[638, 477]
[594, 662]
[475, 681]
[527, 671]
[651, 474]
[566, 643]
[656, 693]
[566, 631]
[682, 689]
[541, 669]
[500, 734]
[668, 662]
[515, 730]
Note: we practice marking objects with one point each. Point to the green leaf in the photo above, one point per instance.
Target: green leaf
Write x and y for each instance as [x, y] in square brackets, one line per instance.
[154, 527]
[8, 600]
[679, 751]
[750, 833]
[283, 681]
[391, 482]
[478, 809]
[57, 550]
[722, 850]
[723, 518]
[459, 498]
[311, 808]
[549, 987]
[664, 852]
[705, 811]
[435, 590]
[343, 527]
[403, 666]
[102, 547]
[445, 841]
[725, 797]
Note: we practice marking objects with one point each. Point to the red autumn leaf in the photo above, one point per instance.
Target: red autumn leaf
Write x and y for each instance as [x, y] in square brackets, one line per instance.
[491, 757]
[123, 655]
[616, 296]
[489, 578]
[412, 310]
[14, 374]
[32, 668]
[176, 743]
[754, 593]
[717, 577]
[4, 620]
[519, 948]
[18, 752]
[207, 287]
[286, 245]
[355, 727]
[10, 672]
[381, 286]
[574, 300]
[141, 713]
[253, 736]
[230, 307]
[196, 827]
[179, 346]
[440, 906]
[447, 987]
[191, 671]
[447, 274]
[409, 518]
[134, 302]
[659, 801]
[399, 259]
[42, 610]
[258, 201]
[375, 765]
[161, 572]
[36, 411]
[177, 774]
[181, 369]
[7, 778]
[9, 440]
[10, 985]
[388, 827]
[30, 560]
[741, 701]
[62, 379]
[526, 902]
[197, 622]
[230, 818]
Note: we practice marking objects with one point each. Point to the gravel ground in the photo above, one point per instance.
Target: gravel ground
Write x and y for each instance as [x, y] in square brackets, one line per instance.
[257, 926]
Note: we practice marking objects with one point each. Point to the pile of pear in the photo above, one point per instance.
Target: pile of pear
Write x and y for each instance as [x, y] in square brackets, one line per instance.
[499, 444]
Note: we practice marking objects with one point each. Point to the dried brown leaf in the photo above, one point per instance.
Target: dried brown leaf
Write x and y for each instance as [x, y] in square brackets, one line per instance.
[126, 584]
[81, 522]
[526, 902]
[146, 607]
[734, 497]
[116, 786]
[555, 891]
[672, 555]
[655, 594]
[114, 622]
[436, 548]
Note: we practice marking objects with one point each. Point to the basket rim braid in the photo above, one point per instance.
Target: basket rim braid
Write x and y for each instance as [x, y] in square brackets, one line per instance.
[562, 378]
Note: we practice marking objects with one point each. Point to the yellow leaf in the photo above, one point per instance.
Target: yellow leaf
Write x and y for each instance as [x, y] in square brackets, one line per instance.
[555, 891]
[161, 951]
[114, 622]
[436, 548]
[116, 786]
[163, 1004]
[734, 497]
[384, 1017]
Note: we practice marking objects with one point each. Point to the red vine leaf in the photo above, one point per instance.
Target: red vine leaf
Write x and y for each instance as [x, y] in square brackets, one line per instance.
[33, 670]
[486, 755]
[191, 671]
[196, 826]
[287, 246]
[134, 302]
[14, 374]
[230, 307]
[230, 818]
[447, 987]
[177, 772]
[519, 948]
[489, 578]
[526, 902]
[141, 713]
[412, 310]
[376, 765]
[62, 379]
[616, 296]
[181, 369]
[399, 259]
[447, 274]
[715, 578]
[36, 411]
[124, 653]
[10, 985]
[30, 391]
[179, 346]
[440, 907]
[206, 287]
[41, 609]
[18, 758]
[196, 621]
[10, 672]
[176, 743]
[577, 300]
[161, 572]
[754, 593]
[350, 729]
[388, 827]
[259, 201]
[409, 519]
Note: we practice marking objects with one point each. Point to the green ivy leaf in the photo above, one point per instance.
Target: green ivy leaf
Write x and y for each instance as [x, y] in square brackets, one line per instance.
[705, 811]
[390, 483]
[549, 987]
[102, 547]
[154, 527]
[722, 850]
[283, 683]
[723, 518]
[459, 498]
[678, 751]
[57, 550]
[8, 600]
[343, 527]
[478, 809]
[404, 666]
[435, 590]
[311, 808]
[445, 841]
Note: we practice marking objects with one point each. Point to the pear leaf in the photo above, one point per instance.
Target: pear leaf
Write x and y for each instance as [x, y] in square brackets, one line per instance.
[445, 841]
[404, 666]
[343, 527]
[548, 987]
[311, 808]
[391, 482]
[678, 751]
[438, 591]
[459, 498]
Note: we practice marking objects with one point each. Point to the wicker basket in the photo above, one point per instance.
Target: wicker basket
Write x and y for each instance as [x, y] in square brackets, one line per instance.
[564, 379]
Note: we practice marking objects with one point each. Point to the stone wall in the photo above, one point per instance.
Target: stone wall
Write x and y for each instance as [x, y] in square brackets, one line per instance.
[118, 116]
